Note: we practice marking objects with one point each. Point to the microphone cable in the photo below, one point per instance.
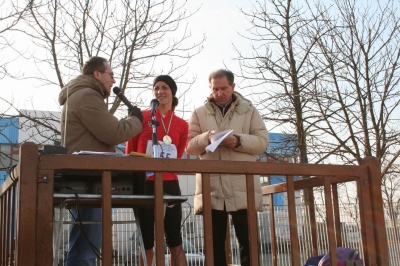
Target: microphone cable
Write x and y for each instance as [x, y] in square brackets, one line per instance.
[95, 250]
[183, 222]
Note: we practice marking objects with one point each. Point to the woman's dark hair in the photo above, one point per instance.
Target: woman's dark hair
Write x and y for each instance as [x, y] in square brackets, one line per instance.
[175, 102]
[94, 63]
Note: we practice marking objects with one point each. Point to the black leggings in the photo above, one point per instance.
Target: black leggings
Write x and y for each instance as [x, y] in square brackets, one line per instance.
[172, 219]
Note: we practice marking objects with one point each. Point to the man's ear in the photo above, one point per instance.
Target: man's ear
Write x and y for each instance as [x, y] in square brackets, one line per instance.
[96, 74]
[233, 86]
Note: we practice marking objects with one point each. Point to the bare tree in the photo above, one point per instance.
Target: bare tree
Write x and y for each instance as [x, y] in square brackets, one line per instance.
[360, 91]
[359, 97]
[11, 14]
[283, 40]
[391, 196]
[330, 72]
[333, 74]
[141, 39]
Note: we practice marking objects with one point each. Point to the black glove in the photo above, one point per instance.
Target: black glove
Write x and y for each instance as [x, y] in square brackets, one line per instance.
[135, 111]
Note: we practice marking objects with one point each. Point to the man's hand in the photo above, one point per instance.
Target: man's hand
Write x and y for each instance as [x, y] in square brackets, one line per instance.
[231, 142]
[135, 111]
[211, 132]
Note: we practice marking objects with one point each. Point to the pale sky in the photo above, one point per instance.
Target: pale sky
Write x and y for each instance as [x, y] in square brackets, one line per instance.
[220, 21]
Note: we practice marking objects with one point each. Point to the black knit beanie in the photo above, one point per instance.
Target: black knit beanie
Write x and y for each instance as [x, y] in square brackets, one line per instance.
[167, 79]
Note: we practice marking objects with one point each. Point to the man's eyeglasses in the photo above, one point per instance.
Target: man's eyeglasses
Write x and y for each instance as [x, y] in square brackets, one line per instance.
[109, 73]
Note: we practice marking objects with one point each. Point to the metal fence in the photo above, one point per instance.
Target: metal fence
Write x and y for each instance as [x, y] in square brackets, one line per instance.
[126, 244]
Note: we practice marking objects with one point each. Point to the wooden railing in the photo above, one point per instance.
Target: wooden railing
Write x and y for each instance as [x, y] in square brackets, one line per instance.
[27, 203]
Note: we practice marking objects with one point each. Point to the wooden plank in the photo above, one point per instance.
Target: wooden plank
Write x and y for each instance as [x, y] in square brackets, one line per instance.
[294, 235]
[338, 231]
[27, 208]
[366, 220]
[159, 218]
[8, 216]
[271, 189]
[3, 231]
[106, 251]
[378, 223]
[274, 249]
[313, 222]
[14, 194]
[7, 227]
[10, 181]
[207, 222]
[124, 163]
[330, 221]
[252, 221]
[44, 224]
[306, 183]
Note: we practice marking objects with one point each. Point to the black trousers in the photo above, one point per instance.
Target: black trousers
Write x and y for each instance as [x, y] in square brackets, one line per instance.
[219, 223]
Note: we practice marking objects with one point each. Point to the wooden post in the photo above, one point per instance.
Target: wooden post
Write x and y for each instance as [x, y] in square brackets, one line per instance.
[294, 236]
[313, 222]
[44, 224]
[252, 221]
[27, 208]
[366, 218]
[207, 223]
[338, 231]
[159, 217]
[378, 223]
[274, 247]
[106, 254]
[329, 220]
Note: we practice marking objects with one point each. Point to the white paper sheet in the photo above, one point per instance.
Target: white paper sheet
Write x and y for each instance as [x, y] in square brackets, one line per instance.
[100, 153]
[216, 139]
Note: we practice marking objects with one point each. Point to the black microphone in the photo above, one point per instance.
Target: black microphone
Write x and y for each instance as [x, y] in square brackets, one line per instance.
[122, 97]
[153, 106]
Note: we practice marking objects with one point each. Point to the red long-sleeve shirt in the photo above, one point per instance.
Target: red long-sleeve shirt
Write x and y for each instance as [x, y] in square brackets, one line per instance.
[178, 131]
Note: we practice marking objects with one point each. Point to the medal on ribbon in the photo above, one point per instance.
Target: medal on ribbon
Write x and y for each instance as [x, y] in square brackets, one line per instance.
[167, 139]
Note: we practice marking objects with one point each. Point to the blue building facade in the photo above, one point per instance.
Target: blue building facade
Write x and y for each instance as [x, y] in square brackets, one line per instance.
[9, 130]
[282, 148]
[9, 127]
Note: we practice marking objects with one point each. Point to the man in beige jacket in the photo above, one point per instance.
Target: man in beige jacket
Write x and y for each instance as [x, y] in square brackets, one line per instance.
[226, 109]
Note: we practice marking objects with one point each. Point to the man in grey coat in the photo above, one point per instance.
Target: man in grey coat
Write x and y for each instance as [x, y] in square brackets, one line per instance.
[86, 124]
[224, 110]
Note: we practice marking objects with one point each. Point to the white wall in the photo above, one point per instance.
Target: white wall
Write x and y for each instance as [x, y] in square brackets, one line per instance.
[187, 184]
[35, 131]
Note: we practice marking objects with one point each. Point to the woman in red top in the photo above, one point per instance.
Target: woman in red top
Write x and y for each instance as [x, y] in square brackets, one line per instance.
[172, 137]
